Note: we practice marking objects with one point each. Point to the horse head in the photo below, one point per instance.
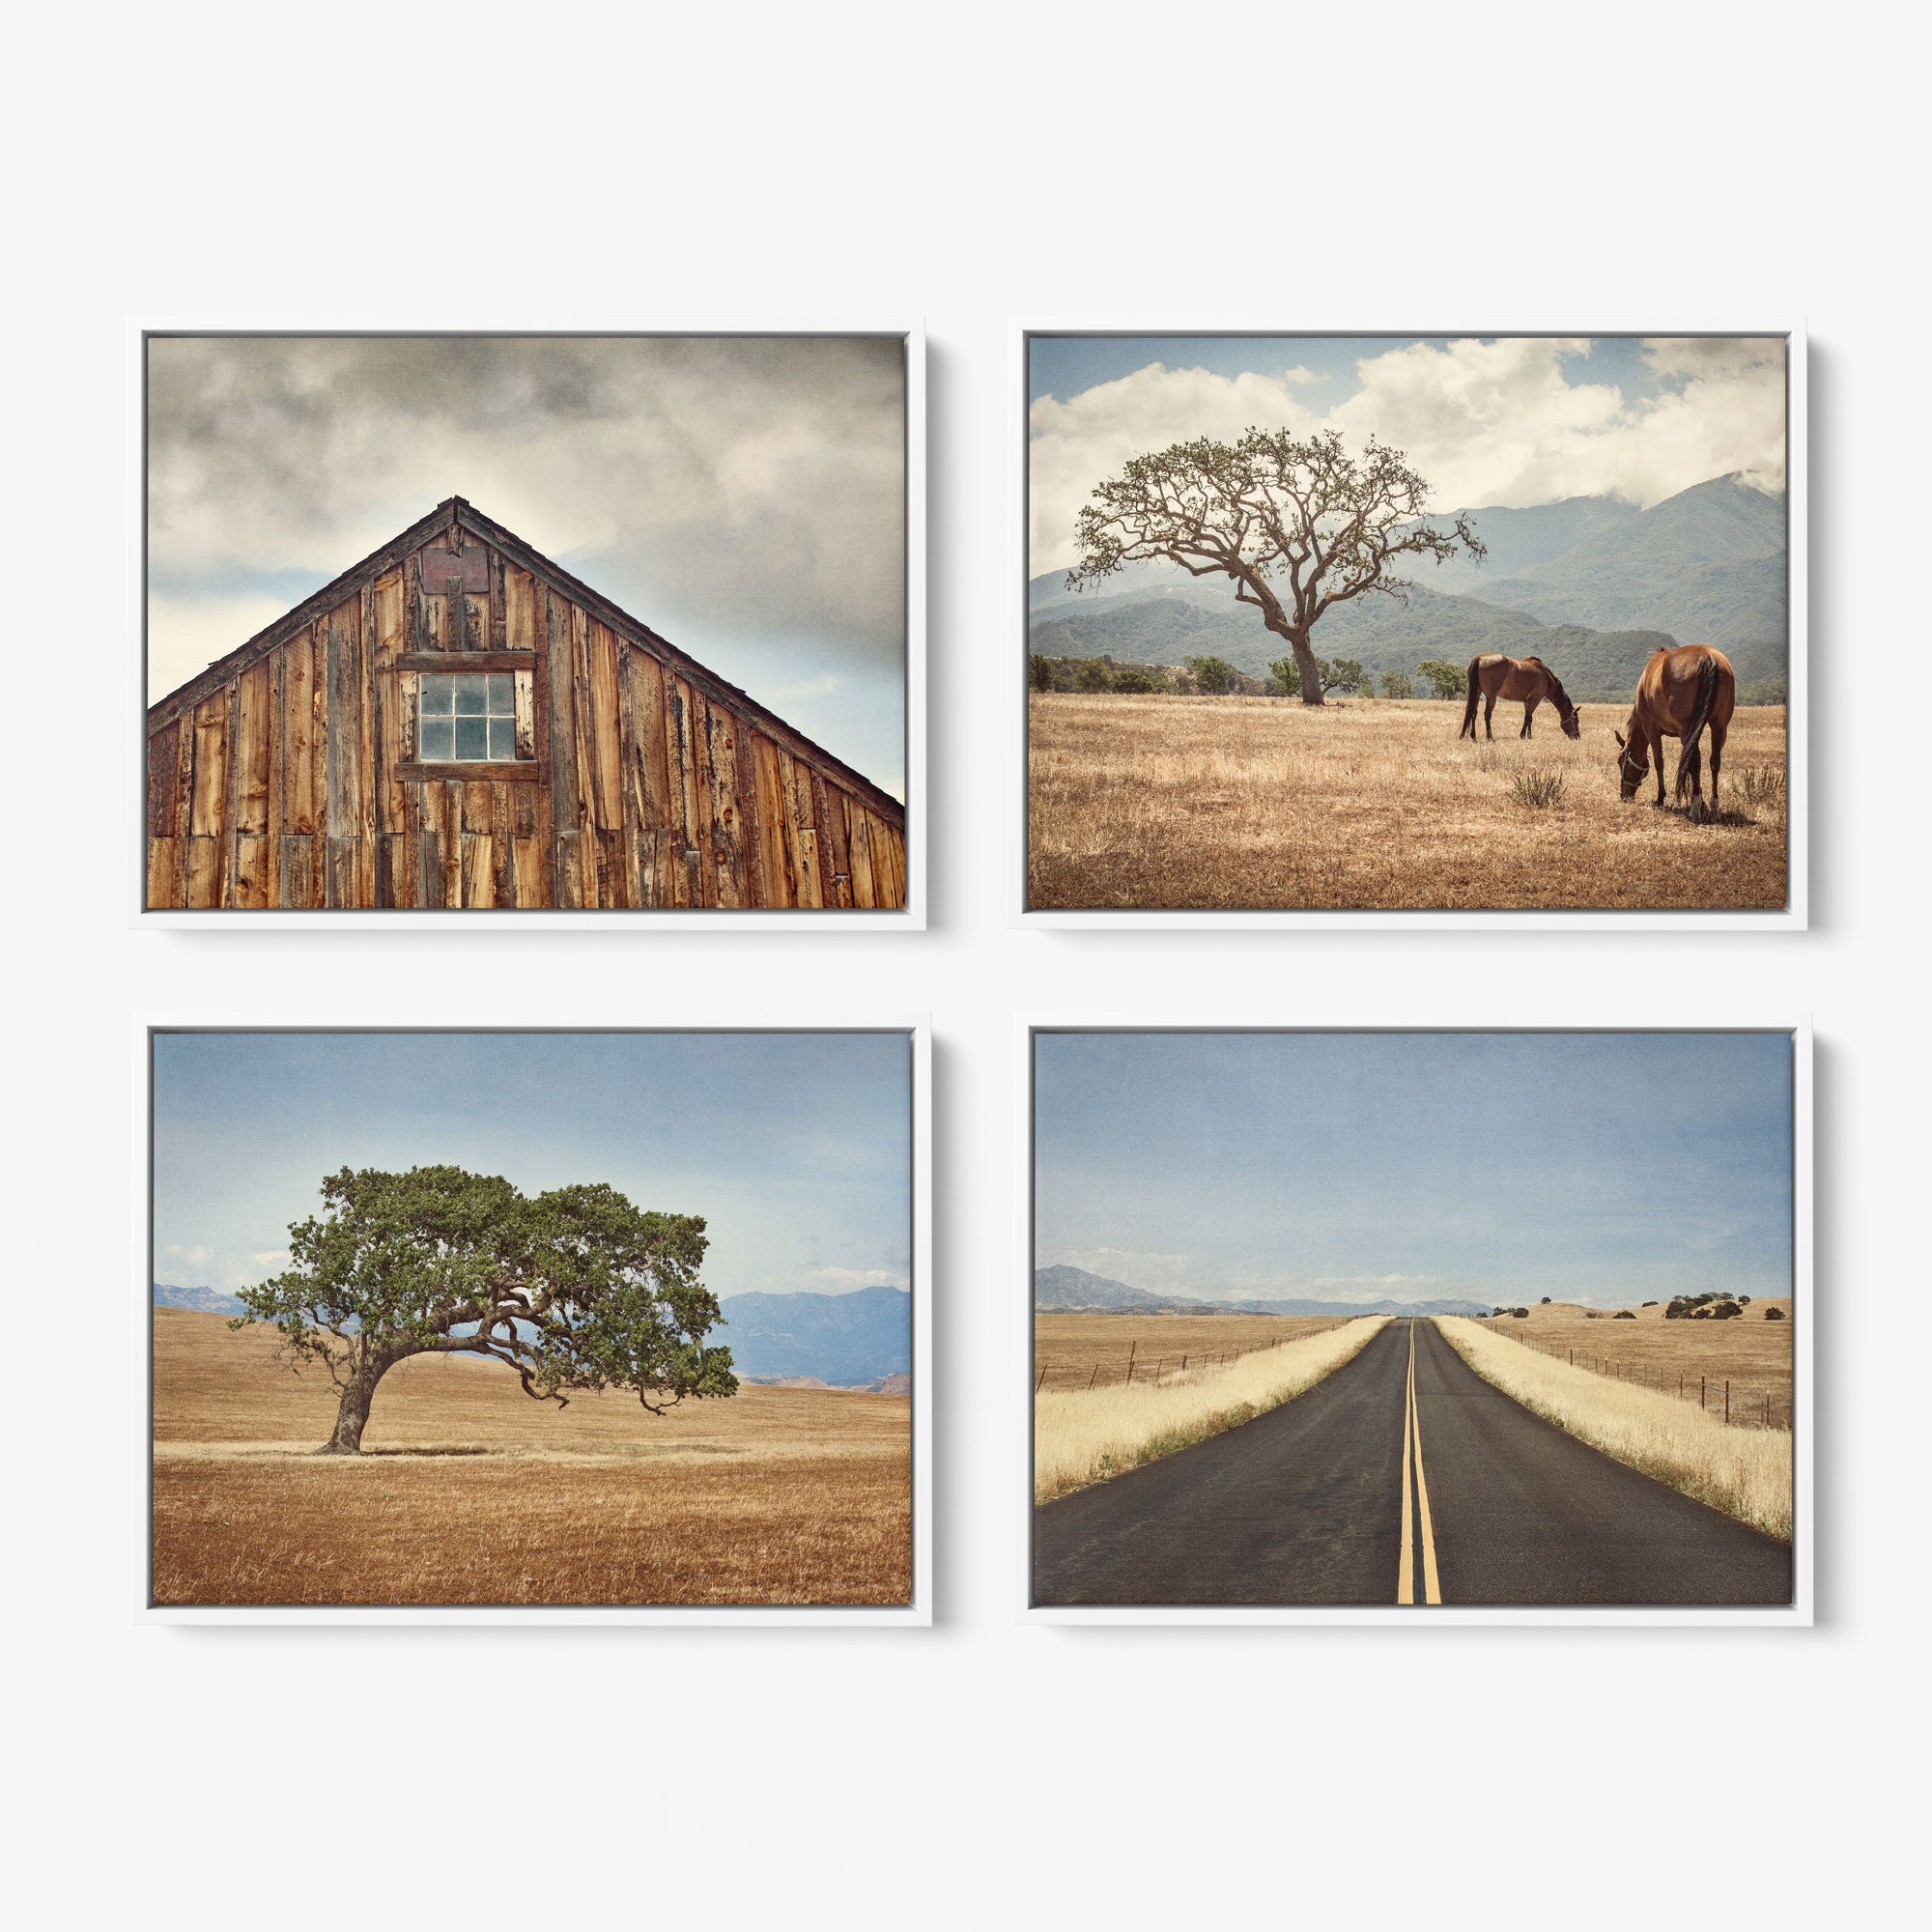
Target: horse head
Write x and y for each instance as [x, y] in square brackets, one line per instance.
[1631, 765]
[1573, 722]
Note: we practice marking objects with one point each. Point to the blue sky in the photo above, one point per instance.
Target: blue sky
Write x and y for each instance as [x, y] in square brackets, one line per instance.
[741, 496]
[1597, 1166]
[1488, 421]
[795, 1148]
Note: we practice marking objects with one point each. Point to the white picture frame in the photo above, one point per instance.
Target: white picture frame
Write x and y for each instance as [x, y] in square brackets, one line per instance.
[1793, 917]
[909, 918]
[1798, 1613]
[917, 1614]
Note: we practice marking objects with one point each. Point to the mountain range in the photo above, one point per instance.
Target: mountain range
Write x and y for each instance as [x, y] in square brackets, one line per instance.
[845, 1341]
[1062, 1290]
[206, 1300]
[1592, 585]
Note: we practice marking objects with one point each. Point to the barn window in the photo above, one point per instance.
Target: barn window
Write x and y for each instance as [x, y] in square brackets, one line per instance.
[468, 717]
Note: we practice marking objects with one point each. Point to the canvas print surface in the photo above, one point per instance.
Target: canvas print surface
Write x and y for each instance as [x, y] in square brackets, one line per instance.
[531, 1318]
[1394, 1320]
[1405, 624]
[467, 623]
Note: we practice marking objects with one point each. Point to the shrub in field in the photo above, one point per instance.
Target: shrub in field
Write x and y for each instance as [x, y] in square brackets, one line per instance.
[1537, 790]
[1761, 785]
[1135, 681]
[1593, 1315]
[1626, 1315]
[1773, 1315]
[1649, 1304]
[1544, 1302]
[1211, 675]
[1080, 1435]
[1521, 1314]
[1745, 1471]
[1039, 672]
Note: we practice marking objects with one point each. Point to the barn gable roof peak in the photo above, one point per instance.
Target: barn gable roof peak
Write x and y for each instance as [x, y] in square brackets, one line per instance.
[458, 513]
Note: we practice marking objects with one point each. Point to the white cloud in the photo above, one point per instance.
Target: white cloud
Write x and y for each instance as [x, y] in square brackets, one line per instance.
[273, 1258]
[1501, 422]
[1299, 375]
[843, 1280]
[1217, 1279]
[195, 1257]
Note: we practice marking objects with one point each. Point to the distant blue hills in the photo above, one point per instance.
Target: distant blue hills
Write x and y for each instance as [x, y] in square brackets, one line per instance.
[1591, 586]
[204, 1300]
[1070, 1290]
[847, 1341]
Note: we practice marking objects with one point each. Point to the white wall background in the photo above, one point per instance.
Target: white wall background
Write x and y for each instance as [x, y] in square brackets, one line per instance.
[1399, 165]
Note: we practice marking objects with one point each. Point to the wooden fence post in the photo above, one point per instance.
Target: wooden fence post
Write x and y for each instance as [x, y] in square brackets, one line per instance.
[1095, 1377]
[1131, 1347]
[1728, 1400]
[1042, 1384]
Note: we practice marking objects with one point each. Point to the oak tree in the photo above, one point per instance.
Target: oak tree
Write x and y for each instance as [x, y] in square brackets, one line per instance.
[1445, 680]
[1299, 524]
[575, 1288]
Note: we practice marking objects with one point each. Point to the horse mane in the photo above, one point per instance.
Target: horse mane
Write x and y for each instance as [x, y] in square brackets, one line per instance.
[1556, 684]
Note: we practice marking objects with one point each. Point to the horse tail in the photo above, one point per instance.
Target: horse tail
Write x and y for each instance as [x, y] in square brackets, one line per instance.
[1468, 729]
[1690, 762]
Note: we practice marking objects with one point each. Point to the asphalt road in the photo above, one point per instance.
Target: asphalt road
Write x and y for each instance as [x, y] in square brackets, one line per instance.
[1309, 1504]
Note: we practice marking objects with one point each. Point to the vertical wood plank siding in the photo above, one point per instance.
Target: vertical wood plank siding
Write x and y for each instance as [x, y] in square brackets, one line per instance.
[290, 783]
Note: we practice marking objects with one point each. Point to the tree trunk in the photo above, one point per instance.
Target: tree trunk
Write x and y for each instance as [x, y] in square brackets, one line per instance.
[351, 1417]
[1305, 663]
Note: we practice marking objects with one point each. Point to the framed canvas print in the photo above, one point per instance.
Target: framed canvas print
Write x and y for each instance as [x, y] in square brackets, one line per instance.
[1416, 1321]
[1492, 627]
[535, 1322]
[544, 625]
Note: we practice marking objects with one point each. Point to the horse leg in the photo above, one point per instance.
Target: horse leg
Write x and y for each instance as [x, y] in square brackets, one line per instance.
[1488, 712]
[1657, 758]
[1528, 712]
[1717, 763]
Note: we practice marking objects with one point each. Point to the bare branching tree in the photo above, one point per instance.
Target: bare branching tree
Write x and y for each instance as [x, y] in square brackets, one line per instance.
[1299, 524]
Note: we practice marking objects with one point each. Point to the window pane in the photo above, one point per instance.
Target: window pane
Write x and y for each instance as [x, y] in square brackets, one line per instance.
[469, 693]
[436, 696]
[436, 739]
[470, 741]
[504, 738]
[503, 694]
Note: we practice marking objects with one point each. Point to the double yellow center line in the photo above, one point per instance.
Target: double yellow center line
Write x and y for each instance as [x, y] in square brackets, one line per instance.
[1411, 1446]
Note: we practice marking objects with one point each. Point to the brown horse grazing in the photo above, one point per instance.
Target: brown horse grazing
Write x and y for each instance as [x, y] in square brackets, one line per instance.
[1527, 681]
[1678, 693]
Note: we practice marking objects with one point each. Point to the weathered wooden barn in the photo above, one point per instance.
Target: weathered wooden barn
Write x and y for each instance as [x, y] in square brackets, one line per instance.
[457, 721]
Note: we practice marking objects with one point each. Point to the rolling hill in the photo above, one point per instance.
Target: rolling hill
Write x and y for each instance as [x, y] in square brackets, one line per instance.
[1591, 586]
[208, 1300]
[847, 1341]
[1062, 1290]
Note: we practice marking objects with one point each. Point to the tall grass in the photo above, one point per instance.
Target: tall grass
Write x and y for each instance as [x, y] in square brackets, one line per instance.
[1745, 1472]
[1081, 1436]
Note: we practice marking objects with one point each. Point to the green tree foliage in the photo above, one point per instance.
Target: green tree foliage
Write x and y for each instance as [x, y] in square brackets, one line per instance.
[1212, 675]
[1093, 674]
[1393, 684]
[1445, 680]
[1344, 674]
[574, 1289]
[1773, 1315]
[1300, 525]
[1625, 1314]
[1287, 676]
[1039, 672]
[1133, 680]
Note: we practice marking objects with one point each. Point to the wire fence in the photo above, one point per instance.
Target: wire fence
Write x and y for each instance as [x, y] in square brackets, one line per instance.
[1113, 1371]
[1732, 1399]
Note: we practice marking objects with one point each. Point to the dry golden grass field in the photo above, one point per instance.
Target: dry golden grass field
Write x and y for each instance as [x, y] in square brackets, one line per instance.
[1753, 1353]
[1228, 802]
[1071, 1347]
[1745, 1471]
[469, 1492]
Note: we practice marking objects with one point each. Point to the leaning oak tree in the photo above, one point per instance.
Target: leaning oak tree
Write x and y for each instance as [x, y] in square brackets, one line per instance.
[574, 1289]
[1300, 525]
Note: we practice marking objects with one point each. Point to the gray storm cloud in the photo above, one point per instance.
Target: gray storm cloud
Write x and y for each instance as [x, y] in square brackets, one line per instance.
[744, 496]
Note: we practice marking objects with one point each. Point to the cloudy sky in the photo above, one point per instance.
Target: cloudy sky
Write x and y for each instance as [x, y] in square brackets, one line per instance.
[796, 1147]
[744, 496]
[1610, 1168]
[1507, 421]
